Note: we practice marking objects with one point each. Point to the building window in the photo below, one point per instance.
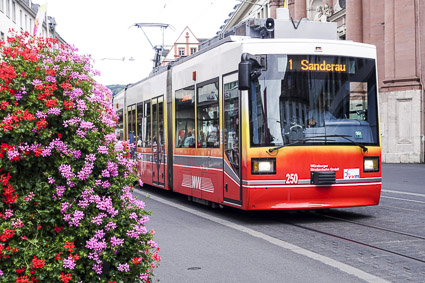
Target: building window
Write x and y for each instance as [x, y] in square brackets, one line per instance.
[8, 8]
[14, 11]
[208, 114]
[181, 51]
[21, 24]
[185, 117]
[192, 50]
[26, 22]
[2, 5]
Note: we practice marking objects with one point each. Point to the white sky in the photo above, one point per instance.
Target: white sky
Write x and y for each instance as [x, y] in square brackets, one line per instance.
[101, 28]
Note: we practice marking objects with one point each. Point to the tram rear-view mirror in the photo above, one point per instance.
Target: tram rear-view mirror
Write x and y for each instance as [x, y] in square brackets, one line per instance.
[244, 75]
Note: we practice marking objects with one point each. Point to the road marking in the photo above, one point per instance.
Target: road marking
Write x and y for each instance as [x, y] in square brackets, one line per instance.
[404, 193]
[288, 246]
[403, 199]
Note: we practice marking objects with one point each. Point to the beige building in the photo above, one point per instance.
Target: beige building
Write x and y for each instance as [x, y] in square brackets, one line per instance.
[185, 45]
[20, 15]
[397, 29]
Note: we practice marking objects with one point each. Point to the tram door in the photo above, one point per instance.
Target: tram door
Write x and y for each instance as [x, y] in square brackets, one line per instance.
[131, 126]
[232, 172]
[158, 139]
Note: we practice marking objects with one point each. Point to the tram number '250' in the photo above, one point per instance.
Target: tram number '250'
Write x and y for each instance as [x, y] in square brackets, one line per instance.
[291, 178]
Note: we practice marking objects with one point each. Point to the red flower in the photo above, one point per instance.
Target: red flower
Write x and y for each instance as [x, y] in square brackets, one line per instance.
[65, 85]
[58, 229]
[38, 263]
[23, 279]
[136, 260]
[50, 72]
[51, 103]
[9, 193]
[70, 246]
[7, 72]
[75, 257]
[68, 104]
[58, 256]
[6, 235]
[4, 105]
[66, 277]
[38, 152]
[41, 124]
[20, 270]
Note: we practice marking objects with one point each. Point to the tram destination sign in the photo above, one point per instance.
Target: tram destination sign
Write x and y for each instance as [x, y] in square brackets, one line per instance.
[311, 63]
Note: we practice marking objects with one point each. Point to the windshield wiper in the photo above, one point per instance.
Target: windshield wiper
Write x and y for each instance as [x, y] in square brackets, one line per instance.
[346, 137]
[296, 142]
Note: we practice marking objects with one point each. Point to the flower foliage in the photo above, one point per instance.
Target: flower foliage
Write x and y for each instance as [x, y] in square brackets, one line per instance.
[67, 212]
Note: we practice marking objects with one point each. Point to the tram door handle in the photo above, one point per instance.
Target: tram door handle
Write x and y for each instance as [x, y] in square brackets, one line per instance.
[226, 188]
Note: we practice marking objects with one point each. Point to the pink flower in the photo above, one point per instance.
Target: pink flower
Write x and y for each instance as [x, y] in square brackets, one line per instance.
[144, 276]
[69, 263]
[123, 267]
[116, 241]
[102, 149]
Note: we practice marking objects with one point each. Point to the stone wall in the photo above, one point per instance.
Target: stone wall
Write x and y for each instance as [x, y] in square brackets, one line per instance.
[401, 126]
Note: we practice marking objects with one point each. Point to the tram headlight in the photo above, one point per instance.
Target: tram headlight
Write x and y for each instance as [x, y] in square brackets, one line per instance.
[263, 166]
[371, 164]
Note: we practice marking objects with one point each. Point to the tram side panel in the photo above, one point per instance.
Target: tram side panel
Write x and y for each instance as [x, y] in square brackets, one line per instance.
[198, 124]
[151, 131]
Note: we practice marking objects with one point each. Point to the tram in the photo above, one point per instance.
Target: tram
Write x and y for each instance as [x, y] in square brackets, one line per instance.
[274, 114]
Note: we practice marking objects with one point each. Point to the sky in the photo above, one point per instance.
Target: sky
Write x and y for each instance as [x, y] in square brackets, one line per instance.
[105, 29]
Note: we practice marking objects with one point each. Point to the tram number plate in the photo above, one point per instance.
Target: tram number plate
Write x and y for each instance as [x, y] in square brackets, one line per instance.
[291, 178]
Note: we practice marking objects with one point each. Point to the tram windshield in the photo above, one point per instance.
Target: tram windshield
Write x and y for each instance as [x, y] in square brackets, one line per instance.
[308, 99]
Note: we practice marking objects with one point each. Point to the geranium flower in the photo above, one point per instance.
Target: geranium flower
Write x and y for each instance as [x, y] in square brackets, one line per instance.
[69, 263]
[65, 277]
[57, 125]
[38, 263]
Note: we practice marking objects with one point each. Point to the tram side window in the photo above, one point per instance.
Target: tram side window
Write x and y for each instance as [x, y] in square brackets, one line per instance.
[208, 114]
[139, 124]
[119, 132]
[147, 125]
[185, 118]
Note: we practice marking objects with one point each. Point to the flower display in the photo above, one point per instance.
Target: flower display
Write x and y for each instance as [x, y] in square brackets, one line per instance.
[67, 209]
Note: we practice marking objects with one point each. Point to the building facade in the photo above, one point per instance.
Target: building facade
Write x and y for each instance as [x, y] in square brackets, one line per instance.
[397, 29]
[185, 45]
[20, 15]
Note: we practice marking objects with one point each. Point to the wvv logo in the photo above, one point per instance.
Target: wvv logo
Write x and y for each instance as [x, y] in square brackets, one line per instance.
[196, 182]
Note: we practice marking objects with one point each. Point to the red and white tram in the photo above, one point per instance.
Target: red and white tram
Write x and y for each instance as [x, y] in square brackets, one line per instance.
[264, 117]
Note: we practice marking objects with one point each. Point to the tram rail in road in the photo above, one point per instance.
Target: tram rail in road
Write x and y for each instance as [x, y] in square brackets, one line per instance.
[374, 244]
[272, 240]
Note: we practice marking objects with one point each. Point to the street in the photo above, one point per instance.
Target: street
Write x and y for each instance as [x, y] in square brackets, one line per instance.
[384, 243]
